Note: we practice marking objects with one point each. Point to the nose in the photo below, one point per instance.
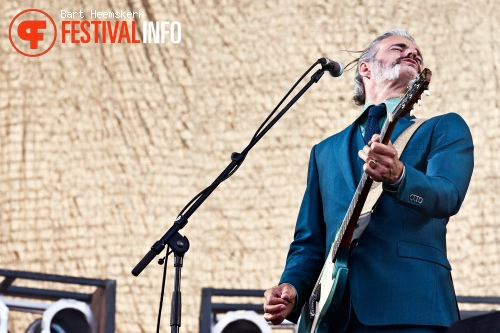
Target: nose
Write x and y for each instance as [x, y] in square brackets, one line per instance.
[411, 52]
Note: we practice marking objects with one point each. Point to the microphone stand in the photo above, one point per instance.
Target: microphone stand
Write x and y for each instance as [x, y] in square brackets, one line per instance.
[180, 244]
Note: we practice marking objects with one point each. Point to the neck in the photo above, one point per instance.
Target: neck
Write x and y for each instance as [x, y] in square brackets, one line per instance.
[386, 90]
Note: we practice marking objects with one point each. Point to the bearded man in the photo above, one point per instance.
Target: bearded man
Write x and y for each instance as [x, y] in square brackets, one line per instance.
[399, 277]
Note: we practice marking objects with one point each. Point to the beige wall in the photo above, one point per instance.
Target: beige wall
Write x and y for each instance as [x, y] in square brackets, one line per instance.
[102, 145]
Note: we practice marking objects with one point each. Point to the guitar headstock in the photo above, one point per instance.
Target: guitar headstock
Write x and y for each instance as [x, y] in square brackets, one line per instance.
[419, 102]
[419, 86]
[427, 72]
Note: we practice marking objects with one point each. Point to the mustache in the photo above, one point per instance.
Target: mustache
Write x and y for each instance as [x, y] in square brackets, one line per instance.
[398, 61]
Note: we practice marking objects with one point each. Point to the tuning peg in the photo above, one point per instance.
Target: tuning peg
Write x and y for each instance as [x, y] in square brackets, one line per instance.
[427, 92]
[412, 112]
[419, 101]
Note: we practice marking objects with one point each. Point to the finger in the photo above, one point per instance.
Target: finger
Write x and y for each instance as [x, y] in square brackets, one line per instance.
[383, 151]
[274, 319]
[277, 301]
[289, 294]
[273, 302]
[273, 292]
[386, 150]
[383, 161]
[374, 173]
[277, 321]
[375, 138]
[274, 309]
[368, 170]
[364, 153]
[275, 314]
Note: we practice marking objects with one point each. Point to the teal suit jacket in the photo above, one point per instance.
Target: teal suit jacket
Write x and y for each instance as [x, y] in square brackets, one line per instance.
[399, 272]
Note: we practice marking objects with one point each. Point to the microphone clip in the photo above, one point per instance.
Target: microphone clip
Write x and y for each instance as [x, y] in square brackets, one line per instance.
[333, 67]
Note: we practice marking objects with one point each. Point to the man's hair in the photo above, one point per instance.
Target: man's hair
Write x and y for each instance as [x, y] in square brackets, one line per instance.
[369, 55]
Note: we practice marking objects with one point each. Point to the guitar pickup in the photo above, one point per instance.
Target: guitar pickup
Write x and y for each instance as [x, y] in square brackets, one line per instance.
[317, 293]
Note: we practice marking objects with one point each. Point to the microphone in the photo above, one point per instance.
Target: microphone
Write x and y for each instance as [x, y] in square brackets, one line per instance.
[335, 68]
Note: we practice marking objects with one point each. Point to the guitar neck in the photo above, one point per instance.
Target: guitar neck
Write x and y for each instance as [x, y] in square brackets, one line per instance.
[343, 238]
[344, 235]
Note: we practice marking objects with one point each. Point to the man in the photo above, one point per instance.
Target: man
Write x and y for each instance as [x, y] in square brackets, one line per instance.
[399, 276]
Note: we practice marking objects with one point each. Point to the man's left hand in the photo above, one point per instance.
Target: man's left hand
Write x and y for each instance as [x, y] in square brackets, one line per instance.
[382, 163]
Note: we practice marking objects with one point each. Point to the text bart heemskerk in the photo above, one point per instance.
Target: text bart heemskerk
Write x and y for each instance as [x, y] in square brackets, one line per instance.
[116, 27]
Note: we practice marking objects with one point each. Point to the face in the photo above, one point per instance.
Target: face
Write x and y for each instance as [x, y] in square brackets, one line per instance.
[397, 57]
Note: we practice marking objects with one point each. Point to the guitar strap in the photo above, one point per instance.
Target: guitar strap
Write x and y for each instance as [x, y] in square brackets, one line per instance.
[376, 189]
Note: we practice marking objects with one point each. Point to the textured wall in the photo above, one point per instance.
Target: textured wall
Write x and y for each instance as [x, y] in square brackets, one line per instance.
[101, 145]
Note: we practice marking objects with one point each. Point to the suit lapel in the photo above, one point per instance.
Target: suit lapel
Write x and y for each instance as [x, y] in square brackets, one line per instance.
[346, 151]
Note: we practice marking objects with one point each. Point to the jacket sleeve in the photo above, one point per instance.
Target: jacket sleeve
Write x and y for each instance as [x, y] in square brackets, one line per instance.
[437, 189]
[307, 251]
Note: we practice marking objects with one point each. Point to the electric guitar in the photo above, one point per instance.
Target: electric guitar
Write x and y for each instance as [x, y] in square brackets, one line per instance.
[318, 312]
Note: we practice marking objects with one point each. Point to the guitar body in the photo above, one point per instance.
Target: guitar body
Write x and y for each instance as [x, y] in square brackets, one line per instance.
[326, 296]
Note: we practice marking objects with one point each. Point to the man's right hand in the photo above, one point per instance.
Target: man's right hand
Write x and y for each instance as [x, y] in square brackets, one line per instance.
[279, 303]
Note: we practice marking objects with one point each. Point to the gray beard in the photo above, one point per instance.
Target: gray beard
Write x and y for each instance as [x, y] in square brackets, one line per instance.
[384, 71]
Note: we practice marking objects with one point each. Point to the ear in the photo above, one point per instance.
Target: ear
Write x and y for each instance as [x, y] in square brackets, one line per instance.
[364, 69]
